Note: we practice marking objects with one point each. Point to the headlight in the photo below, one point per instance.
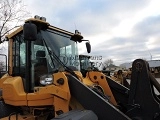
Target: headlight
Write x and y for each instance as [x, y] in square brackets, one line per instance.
[46, 79]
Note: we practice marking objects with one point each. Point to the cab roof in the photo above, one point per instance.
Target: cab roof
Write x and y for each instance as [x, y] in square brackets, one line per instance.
[38, 21]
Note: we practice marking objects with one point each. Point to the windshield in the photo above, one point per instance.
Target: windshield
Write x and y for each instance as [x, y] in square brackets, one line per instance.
[59, 44]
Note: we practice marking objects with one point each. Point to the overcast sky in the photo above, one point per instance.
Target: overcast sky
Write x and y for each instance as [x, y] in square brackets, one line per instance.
[121, 30]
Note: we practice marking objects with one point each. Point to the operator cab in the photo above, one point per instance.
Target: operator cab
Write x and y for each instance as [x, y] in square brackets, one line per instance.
[41, 49]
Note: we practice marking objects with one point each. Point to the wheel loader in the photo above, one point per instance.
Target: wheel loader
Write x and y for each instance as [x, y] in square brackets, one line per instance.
[43, 84]
[86, 64]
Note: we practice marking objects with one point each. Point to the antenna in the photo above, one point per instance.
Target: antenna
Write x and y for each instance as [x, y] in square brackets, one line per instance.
[75, 26]
[150, 54]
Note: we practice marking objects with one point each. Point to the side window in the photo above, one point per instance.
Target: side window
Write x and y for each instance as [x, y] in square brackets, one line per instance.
[15, 53]
[22, 54]
[18, 55]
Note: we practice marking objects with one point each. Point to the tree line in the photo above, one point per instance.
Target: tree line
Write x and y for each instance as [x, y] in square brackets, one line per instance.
[107, 63]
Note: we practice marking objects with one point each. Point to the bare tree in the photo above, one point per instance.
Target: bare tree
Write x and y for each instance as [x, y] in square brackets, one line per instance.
[107, 63]
[12, 12]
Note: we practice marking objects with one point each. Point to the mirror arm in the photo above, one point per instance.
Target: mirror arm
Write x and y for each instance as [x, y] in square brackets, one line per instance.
[85, 40]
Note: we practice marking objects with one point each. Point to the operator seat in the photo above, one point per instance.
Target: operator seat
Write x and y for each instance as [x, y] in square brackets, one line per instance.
[40, 57]
[40, 66]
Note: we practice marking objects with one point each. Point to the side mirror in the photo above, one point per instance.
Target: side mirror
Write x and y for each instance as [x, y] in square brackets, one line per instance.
[30, 31]
[88, 46]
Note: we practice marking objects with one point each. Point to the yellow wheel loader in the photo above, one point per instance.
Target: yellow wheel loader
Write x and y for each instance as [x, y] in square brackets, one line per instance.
[43, 83]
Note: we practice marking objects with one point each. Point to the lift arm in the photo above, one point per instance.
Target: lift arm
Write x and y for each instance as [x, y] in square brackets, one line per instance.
[92, 101]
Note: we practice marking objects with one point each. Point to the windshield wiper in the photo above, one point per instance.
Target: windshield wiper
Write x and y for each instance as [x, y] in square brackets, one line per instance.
[66, 68]
[49, 53]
